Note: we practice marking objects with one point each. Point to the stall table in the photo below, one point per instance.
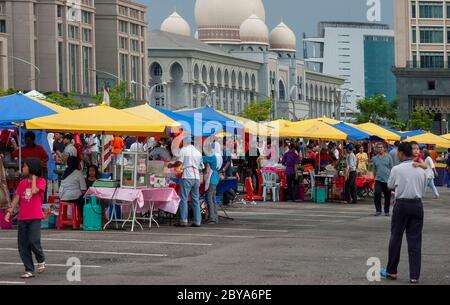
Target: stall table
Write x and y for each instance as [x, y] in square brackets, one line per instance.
[165, 199]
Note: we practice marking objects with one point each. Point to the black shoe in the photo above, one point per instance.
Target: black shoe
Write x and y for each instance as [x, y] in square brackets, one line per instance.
[195, 225]
[377, 214]
[181, 225]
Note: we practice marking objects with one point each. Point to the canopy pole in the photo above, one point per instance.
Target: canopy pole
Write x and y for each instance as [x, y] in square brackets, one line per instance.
[20, 149]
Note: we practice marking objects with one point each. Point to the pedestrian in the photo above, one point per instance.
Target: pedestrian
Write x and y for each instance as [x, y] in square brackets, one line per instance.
[33, 150]
[69, 148]
[383, 165]
[409, 183]
[213, 162]
[418, 161]
[431, 173]
[29, 197]
[393, 153]
[350, 183]
[191, 161]
[362, 160]
[291, 160]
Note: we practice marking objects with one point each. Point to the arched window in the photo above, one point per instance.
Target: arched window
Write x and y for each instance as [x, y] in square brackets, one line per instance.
[282, 91]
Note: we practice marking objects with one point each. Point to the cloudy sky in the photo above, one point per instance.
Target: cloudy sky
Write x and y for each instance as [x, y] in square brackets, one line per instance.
[301, 15]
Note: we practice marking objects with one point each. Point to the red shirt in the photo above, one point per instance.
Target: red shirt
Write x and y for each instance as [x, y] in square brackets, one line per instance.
[37, 152]
[30, 206]
[324, 159]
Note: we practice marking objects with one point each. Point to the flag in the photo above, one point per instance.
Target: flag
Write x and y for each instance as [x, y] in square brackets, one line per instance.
[106, 96]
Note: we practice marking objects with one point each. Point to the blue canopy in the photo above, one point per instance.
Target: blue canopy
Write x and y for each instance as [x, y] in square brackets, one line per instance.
[197, 127]
[412, 133]
[208, 114]
[353, 133]
[18, 108]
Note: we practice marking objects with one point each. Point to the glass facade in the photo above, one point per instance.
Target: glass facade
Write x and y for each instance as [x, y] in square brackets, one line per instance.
[379, 58]
[431, 35]
[73, 67]
[431, 9]
[86, 72]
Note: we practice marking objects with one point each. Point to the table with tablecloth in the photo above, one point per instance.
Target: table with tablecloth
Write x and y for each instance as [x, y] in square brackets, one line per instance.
[165, 199]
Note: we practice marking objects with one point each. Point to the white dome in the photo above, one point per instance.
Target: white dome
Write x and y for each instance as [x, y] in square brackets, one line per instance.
[254, 31]
[219, 21]
[282, 38]
[176, 24]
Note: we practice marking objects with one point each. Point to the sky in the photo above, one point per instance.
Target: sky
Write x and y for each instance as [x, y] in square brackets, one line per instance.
[301, 15]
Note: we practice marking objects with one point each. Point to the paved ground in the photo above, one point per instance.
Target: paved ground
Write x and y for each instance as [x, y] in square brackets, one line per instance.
[286, 243]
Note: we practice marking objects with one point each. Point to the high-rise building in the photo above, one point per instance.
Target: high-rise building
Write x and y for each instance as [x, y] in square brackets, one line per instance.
[422, 33]
[362, 53]
[121, 33]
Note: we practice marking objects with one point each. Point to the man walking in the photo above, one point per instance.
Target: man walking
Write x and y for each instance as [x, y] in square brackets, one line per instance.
[393, 154]
[350, 183]
[383, 165]
[191, 161]
[409, 184]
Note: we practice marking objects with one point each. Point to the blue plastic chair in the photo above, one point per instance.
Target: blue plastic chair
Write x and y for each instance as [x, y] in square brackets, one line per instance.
[270, 181]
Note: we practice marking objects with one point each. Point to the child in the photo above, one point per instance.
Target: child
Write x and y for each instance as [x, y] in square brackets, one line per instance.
[418, 161]
[30, 196]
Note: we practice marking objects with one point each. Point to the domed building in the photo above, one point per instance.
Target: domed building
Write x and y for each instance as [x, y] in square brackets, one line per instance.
[233, 60]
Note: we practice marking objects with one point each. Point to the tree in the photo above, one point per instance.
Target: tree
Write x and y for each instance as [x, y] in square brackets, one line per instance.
[63, 100]
[119, 96]
[9, 91]
[420, 119]
[375, 109]
[258, 111]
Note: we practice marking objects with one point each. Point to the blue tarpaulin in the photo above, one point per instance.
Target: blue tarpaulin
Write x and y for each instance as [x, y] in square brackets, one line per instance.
[208, 114]
[18, 108]
[413, 133]
[353, 133]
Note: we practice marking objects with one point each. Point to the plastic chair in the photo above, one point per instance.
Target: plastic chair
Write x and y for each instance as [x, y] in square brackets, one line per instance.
[63, 219]
[270, 182]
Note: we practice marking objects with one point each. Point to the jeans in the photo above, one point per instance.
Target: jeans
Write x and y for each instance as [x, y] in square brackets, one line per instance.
[192, 187]
[408, 215]
[29, 241]
[212, 206]
[350, 188]
[292, 190]
[382, 188]
[430, 183]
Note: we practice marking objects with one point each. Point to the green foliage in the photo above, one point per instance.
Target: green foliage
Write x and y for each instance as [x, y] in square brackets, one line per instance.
[376, 109]
[119, 96]
[10, 91]
[258, 111]
[63, 100]
[420, 119]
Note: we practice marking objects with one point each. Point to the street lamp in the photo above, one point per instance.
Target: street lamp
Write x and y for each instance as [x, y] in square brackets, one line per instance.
[106, 73]
[26, 62]
[209, 95]
[344, 99]
[291, 92]
[150, 89]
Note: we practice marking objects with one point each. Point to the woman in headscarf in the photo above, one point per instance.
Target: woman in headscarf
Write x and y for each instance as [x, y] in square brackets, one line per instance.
[214, 163]
[73, 184]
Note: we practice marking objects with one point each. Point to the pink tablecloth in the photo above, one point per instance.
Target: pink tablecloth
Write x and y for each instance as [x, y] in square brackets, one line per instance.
[165, 199]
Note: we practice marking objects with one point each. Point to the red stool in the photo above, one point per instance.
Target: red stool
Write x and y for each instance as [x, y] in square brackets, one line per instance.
[53, 199]
[63, 220]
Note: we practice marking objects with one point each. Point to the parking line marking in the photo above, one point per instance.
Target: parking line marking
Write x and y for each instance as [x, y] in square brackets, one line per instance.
[241, 229]
[12, 283]
[120, 241]
[53, 265]
[93, 252]
[300, 215]
[181, 234]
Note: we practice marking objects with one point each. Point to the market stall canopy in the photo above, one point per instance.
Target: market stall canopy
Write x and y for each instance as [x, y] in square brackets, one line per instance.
[279, 124]
[150, 113]
[430, 139]
[208, 114]
[250, 126]
[413, 133]
[446, 136]
[354, 134]
[102, 119]
[377, 131]
[36, 94]
[18, 108]
[314, 130]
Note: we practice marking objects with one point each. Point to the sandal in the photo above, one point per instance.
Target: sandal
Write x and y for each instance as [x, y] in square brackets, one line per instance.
[41, 267]
[27, 275]
[414, 281]
[387, 275]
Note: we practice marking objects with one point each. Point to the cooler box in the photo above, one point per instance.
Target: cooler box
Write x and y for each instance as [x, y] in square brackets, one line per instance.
[92, 215]
[320, 195]
[4, 225]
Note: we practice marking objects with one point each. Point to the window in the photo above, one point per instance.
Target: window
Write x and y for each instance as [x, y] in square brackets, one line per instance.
[432, 60]
[157, 71]
[160, 102]
[431, 35]
[431, 85]
[134, 29]
[60, 30]
[123, 63]
[142, 47]
[87, 35]
[134, 14]
[413, 9]
[73, 32]
[60, 66]
[134, 75]
[86, 17]
[134, 45]
[2, 26]
[123, 27]
[86, 72]
[123, 10]
[414, 34]
[123, 43]
[448, 35]
[60, 11]
[73, 67]
[2, 8]
[159, 89]
[430, 9]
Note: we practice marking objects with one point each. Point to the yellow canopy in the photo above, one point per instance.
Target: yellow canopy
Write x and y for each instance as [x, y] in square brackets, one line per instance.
[377, 131]
[250, 126]
[152, 114]
[102, 118]
[279, 123]
[446, 136]
[313, 130]
[430, 139]
[323, 119]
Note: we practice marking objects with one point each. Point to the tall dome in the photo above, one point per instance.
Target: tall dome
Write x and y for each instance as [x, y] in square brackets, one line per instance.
[283, 39]
[176, 24]
[254, 31]
[218, 21]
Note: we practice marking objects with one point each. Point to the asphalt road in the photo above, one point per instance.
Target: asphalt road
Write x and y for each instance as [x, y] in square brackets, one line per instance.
[271, 243]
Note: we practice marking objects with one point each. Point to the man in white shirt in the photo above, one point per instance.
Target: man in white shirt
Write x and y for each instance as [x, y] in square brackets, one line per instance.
[350, 183]
[191, 161]
[409, 184]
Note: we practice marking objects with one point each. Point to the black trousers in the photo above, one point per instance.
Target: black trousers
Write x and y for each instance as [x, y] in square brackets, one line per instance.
[382, 188]
[408, 216]
[29, 241]
[350, 188]
[292, 188]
